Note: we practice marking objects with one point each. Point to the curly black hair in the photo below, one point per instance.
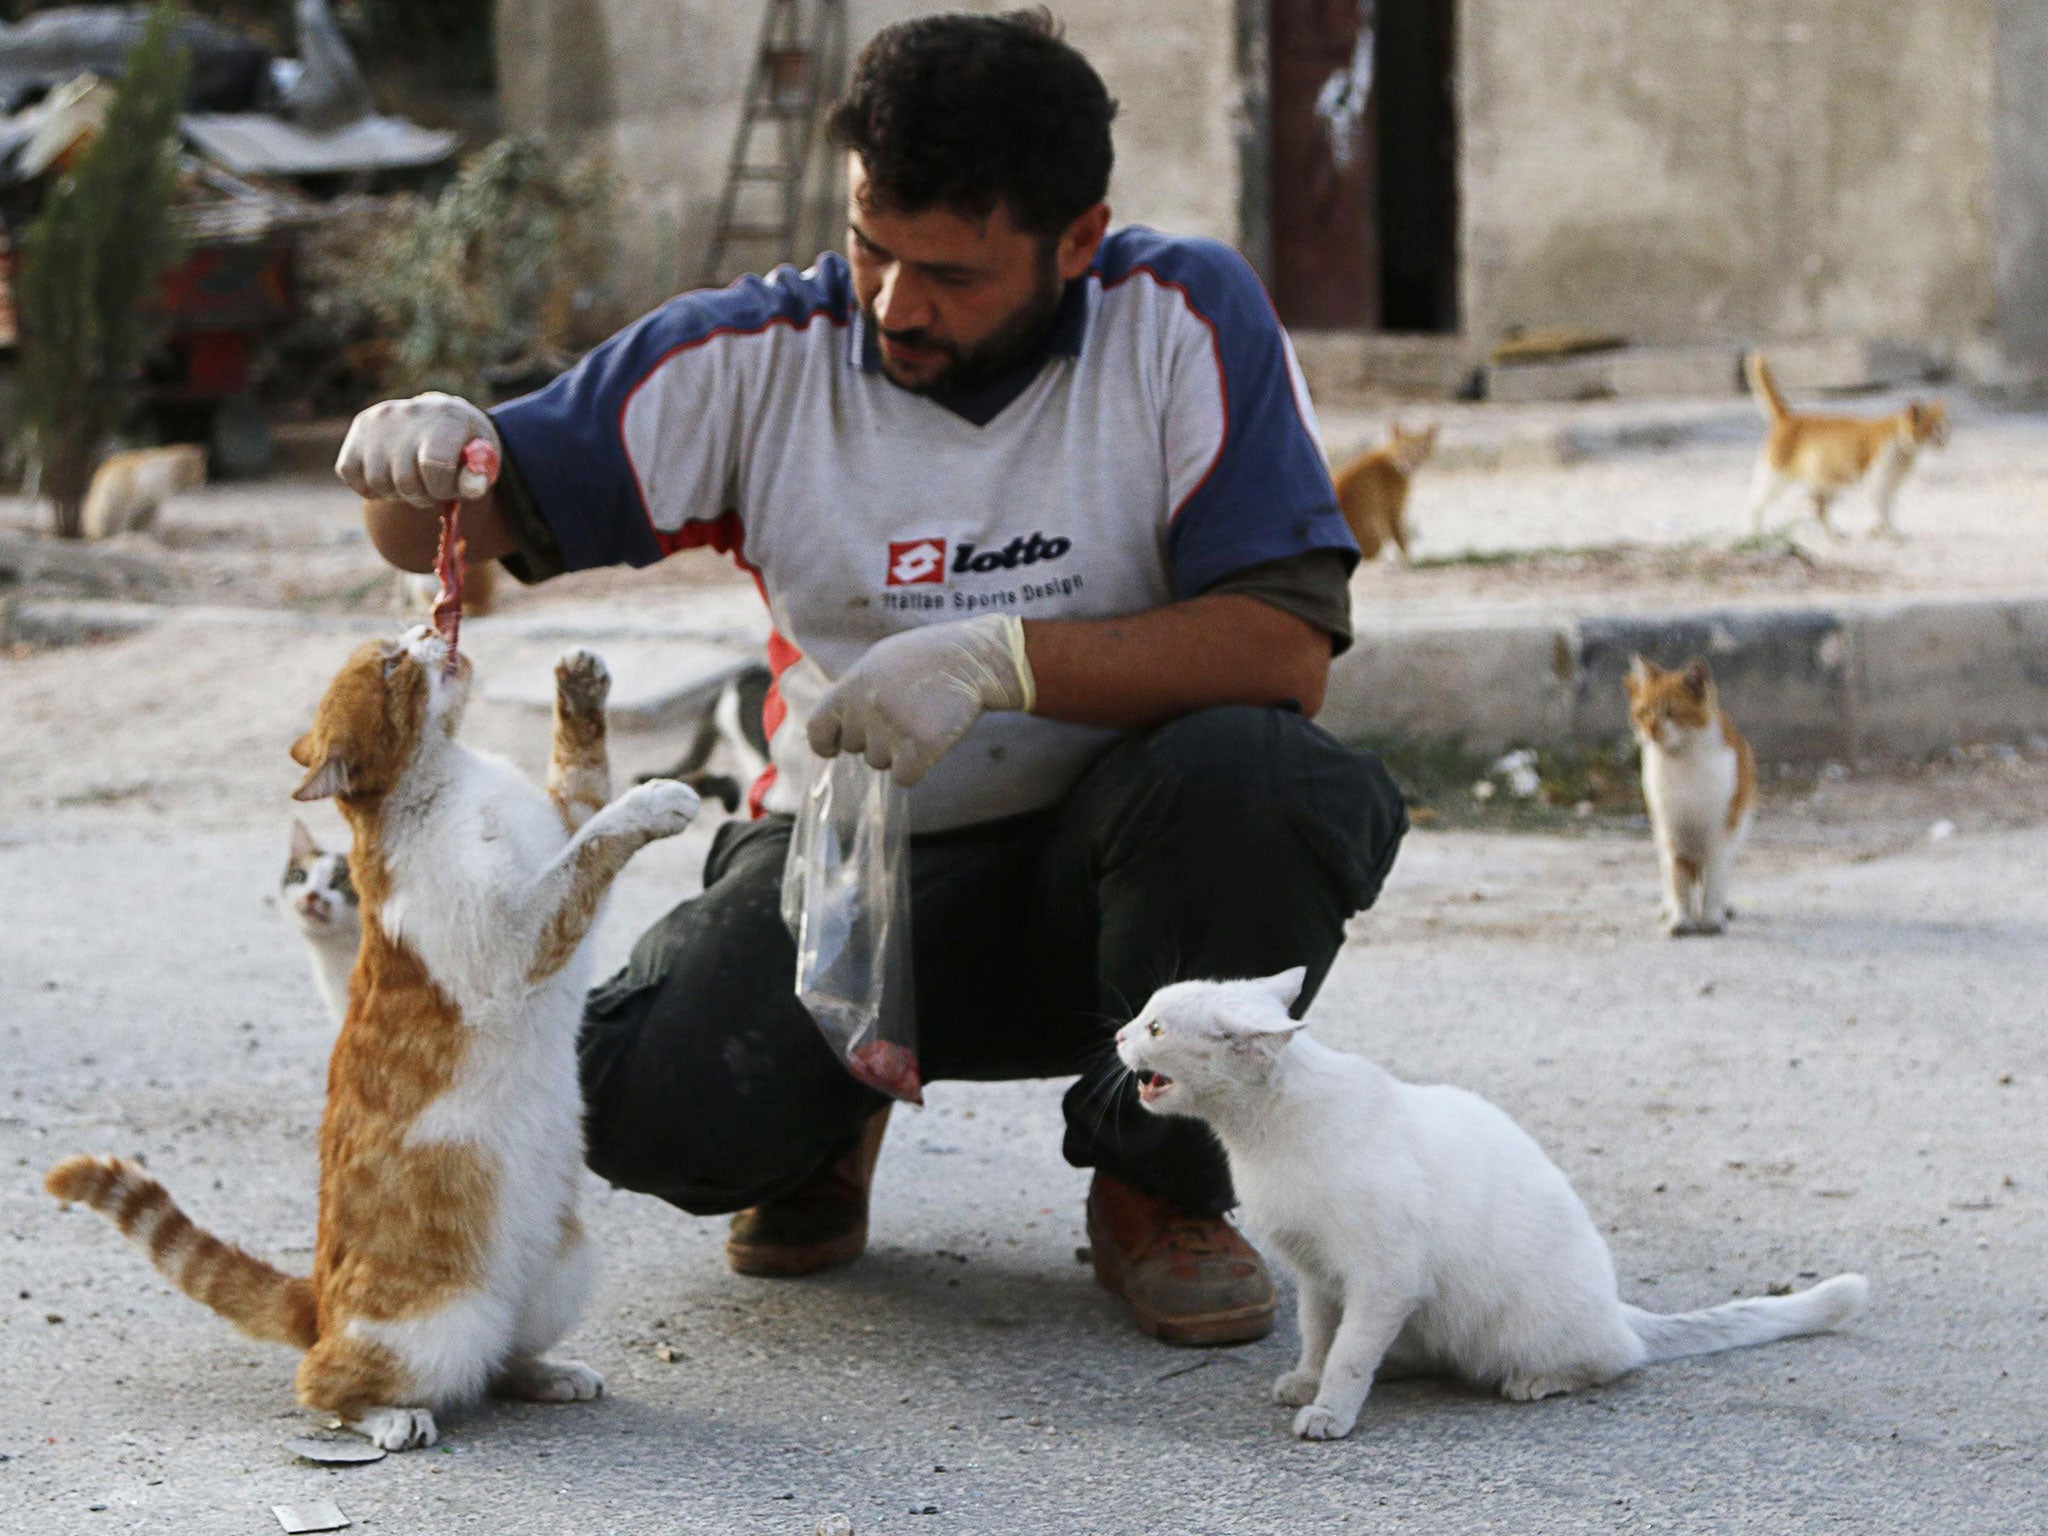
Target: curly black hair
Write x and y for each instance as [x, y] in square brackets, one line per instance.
[968, 113]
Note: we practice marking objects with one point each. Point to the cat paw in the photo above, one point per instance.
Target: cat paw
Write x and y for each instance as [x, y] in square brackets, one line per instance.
[582, 682]
[397, 1429]
[1317, 1422]
[550, 1381]
[1529, 1389]
[1296, 1389]
[659, 808]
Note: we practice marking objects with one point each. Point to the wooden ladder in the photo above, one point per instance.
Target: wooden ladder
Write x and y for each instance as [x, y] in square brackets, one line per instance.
[794, 66]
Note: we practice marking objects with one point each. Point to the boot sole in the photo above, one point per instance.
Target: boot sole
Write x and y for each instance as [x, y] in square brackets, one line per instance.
[774, 1261]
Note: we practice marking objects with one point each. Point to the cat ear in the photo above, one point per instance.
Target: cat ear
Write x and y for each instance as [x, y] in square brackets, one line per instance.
[1284, 988]
[1638, 674]
[1699, 681]
[303, 845]
[330, 778]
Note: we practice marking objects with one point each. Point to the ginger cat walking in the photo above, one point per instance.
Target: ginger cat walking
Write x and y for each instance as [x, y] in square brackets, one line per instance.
[1373, 489]
[449, 1257]
[1827, 455]
[1699, 777]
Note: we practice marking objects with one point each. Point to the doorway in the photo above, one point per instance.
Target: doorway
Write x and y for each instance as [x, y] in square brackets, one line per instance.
[1364, 210]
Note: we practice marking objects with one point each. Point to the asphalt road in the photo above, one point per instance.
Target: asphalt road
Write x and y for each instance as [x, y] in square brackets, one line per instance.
[1854, 1078]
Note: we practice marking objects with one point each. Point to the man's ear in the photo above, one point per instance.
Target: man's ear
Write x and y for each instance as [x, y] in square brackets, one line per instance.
[1285, 988]
[1080, 241]
[329, 777]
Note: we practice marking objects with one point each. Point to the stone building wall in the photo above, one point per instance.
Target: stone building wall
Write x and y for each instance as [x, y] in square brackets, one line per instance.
[1676, 170]
[657, 85]
[1683, 170]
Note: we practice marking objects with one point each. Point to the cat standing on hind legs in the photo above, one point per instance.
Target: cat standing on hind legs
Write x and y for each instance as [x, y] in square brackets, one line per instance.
[1699, 780]
[1427, 1231]
[449, 1257]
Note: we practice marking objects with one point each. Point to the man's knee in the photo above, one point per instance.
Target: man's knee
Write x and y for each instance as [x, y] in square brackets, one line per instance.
[704, 1080]
[1244, 772]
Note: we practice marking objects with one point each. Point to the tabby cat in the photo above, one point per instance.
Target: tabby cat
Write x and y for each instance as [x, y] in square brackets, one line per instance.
[449, 1256]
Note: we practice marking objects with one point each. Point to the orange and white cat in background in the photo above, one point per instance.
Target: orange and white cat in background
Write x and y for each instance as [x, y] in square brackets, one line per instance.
[1373, 489]
[1827, 455]
[1699, 778]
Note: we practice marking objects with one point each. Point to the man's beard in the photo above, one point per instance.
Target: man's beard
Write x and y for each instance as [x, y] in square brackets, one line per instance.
[1008, 346]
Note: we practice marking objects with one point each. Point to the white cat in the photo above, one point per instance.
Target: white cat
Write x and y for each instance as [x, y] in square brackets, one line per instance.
[1427, 1231]
[320, 897]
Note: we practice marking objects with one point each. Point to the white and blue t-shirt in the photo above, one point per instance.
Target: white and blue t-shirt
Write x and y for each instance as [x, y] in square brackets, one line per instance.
[1164, 444]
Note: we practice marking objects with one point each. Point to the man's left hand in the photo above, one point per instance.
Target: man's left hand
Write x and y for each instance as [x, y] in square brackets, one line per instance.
[907, 702]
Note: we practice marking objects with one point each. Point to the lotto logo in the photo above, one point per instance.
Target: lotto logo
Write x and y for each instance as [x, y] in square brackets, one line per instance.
[916, 562]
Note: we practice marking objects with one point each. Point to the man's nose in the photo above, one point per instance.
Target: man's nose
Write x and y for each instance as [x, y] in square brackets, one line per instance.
[901, 304]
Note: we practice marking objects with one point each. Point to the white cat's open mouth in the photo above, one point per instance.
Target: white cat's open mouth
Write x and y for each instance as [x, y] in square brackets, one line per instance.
[1152, 1084]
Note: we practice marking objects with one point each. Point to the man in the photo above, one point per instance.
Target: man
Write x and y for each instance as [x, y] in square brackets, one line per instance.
[1044, 530]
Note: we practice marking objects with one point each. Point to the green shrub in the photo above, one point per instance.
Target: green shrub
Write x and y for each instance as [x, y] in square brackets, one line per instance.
[484, 283]
[91, 262]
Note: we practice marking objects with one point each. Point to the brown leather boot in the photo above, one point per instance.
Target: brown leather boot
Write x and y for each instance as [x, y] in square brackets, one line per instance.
[1188, 1279]
[819, 1225]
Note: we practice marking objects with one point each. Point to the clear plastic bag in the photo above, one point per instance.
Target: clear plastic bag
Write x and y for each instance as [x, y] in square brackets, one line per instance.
[846, 899]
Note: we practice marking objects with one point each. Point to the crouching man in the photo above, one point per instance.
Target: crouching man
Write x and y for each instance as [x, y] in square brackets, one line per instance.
[1043, 526]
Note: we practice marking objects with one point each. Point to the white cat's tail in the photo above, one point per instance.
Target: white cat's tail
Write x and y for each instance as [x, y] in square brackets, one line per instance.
[1757, 1320]
[262, 1301]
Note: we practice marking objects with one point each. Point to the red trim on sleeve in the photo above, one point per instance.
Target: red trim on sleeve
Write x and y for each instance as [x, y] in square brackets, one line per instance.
[661, 362]
[781, 657]
[1222, 379]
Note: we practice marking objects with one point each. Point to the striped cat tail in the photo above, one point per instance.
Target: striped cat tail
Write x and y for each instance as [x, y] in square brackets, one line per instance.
[262, 1301]
[1765, 388]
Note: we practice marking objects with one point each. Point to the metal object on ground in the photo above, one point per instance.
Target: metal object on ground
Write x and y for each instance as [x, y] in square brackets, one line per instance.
[334, 1450]
[298, 1519]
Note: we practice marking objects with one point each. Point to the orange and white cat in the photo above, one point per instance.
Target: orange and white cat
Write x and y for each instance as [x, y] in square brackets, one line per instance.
[1827, 455]
[1699, 777]
[449, 1257]
[130, 487]
[1373, 489]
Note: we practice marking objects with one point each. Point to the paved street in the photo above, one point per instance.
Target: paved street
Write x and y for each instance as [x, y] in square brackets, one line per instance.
[1854, 1079]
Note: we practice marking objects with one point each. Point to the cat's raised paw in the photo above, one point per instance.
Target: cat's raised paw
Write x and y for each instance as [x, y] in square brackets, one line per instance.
[582, 681]
[397, 1429]
[1316, 1422]
[660, 807]
[1294, 1389]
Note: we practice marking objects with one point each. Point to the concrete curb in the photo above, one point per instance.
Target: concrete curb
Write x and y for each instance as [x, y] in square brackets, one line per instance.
[1517, 445]
[1876, 678]
[1863, 678]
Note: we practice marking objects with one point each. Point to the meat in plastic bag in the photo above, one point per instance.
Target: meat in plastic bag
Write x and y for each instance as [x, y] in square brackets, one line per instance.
[846, 899]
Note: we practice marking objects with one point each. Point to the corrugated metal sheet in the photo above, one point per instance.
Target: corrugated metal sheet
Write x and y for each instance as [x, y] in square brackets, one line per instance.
[255, 144]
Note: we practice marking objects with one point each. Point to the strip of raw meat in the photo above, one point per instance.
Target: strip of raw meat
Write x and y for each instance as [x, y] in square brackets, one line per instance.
[479, 470]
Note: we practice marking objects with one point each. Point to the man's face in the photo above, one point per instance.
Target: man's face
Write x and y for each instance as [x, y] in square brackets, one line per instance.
[956, 302]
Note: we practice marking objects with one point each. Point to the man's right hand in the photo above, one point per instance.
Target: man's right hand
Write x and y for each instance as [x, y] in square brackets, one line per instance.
[411, 450]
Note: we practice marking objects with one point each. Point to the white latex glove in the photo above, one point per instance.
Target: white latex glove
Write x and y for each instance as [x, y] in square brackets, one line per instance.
[411, 450]
[911, 697]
